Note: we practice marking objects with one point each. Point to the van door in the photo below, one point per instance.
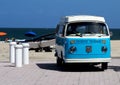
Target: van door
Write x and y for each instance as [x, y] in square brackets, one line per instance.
[60, 40]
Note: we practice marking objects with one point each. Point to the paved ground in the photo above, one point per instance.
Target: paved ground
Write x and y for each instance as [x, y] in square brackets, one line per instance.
[42, 70]
[45, 72]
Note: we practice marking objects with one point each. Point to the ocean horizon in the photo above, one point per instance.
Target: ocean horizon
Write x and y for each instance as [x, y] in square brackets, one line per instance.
[19, 33]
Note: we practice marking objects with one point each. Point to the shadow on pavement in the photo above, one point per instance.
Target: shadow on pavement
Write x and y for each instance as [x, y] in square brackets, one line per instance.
[69, 67]
[115, 68]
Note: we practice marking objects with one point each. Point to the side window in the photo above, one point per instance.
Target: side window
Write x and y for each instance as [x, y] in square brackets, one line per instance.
[105, 31]
[61, 31]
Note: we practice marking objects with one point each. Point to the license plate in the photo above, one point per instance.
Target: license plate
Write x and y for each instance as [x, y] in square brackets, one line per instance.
[88, 49]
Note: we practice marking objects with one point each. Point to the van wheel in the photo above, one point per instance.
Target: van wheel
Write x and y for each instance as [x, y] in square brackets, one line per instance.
[104, 66]
[59, 61]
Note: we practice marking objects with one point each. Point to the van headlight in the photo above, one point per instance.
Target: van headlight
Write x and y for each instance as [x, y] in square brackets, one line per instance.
[104, 49]
[72, 49]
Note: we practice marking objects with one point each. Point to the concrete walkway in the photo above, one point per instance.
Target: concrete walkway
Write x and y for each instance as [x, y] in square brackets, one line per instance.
[47, 73]
[42, 70]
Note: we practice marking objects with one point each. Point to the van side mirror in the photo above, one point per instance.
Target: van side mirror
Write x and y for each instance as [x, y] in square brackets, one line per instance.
[57, 29]
[111, 33]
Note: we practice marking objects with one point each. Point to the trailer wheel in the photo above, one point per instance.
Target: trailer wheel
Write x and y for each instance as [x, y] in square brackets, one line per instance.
[104, 66]
[47, 49]
[36, 50]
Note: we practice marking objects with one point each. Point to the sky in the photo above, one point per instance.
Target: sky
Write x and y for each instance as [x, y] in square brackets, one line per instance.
[47, 13]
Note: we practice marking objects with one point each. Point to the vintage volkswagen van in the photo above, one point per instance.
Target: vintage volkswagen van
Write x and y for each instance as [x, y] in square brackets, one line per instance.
[83, 39]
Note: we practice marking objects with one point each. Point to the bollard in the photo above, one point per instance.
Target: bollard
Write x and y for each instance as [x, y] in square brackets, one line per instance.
[12, 52]
[18, 55]
[25, 53]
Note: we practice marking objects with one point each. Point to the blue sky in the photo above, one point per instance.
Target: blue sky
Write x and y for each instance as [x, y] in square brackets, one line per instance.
[46, 13]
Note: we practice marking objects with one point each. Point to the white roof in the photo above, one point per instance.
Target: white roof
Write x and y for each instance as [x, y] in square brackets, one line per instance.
[80, 18]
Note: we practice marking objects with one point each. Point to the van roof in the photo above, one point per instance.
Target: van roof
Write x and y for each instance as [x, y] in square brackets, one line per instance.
[80, 18]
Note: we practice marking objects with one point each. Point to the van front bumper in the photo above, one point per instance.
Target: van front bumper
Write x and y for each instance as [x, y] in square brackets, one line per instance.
[92, 60]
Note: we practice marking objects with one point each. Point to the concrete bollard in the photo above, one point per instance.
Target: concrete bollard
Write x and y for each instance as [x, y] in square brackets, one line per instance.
[18, 55]
[12, 52]
[25, 53]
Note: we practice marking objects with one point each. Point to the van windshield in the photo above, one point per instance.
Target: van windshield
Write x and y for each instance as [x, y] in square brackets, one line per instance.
[86, 28]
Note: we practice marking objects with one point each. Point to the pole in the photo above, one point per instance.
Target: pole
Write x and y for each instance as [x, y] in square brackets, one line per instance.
[12, 52]
[18, 55]
[25, 53]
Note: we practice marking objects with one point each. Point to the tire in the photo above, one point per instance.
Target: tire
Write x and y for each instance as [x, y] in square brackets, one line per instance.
[104, 66]
[36, 50]
[59, 61]
[41, 50]
[47, 49]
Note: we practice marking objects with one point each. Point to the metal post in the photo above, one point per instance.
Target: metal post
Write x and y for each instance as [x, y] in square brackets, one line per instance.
[18, 55]
[25, 53]
[12, 52]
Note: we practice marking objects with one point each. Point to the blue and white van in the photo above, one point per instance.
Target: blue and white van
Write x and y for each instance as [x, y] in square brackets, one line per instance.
[83, 39]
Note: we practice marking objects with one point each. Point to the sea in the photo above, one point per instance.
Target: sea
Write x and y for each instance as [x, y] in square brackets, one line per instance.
[19, 33]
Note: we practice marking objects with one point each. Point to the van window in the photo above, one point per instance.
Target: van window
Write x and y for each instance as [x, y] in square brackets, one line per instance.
[74, 29]
[61, 30]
